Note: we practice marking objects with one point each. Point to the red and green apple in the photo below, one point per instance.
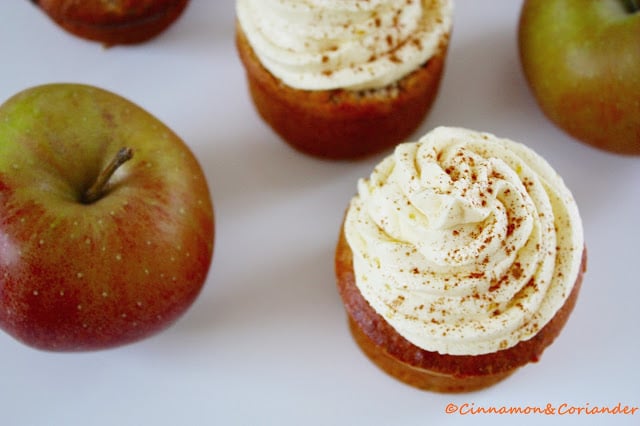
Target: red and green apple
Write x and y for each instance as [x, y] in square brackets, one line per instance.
[113, 22]
[581, 59]
[106, 220]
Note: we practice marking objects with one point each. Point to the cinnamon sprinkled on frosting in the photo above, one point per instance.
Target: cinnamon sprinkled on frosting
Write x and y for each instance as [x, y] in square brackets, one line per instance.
[352, 44]
[464, 242]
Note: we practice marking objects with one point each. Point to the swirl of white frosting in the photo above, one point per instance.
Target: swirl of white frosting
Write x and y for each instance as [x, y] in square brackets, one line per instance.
[464, 242]
[352, 44]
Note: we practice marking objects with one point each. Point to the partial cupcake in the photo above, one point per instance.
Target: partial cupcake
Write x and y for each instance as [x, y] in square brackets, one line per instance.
[459, 260]
[343, 79]
[113, 22]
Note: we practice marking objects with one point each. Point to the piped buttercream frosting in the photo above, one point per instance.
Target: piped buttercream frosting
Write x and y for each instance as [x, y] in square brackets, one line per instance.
[350, 44]
[464, 242]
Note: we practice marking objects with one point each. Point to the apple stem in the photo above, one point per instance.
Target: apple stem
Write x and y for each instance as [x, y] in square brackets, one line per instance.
[95, 191]
[633, 6]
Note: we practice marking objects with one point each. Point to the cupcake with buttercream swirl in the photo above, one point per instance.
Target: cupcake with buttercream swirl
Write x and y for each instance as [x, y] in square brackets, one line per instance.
[343, 79]
[465, 245]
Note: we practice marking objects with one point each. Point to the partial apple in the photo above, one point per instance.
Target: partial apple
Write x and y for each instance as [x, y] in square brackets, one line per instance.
[113, 22]
[106, 220]
[581, 59]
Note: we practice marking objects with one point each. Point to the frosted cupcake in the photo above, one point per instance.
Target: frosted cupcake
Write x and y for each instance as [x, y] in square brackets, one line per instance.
[343, 79]
[459, 260]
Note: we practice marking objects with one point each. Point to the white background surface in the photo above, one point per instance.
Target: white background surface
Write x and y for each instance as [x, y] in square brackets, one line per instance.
[266, 342]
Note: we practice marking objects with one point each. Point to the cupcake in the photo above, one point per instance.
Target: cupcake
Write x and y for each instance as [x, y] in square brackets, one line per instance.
[459, 260]
[343, 79]
[113, 22]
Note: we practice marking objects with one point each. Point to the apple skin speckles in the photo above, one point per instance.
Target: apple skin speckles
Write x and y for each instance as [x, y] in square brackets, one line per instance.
[70, 270]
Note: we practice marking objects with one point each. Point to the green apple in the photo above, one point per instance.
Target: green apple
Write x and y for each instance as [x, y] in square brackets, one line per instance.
[581, 59]
[106, 220]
